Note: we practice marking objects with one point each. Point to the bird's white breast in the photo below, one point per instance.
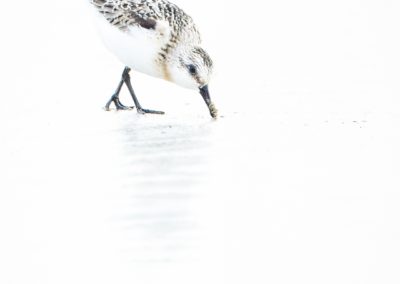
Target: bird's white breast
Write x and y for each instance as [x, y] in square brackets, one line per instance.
[137, 48]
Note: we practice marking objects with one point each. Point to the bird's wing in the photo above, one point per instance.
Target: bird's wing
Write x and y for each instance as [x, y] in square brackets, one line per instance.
[124, 14]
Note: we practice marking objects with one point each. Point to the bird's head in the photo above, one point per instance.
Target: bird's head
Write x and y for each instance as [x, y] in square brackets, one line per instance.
[192, 68]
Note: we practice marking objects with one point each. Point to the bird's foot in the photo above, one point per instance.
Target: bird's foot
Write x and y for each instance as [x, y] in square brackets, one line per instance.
[118, 105]
[148, 111]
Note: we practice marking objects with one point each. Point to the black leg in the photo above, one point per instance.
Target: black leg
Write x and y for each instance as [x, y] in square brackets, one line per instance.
[115, 98]
[127, 79]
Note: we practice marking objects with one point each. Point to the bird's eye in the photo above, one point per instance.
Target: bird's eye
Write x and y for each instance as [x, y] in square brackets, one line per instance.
[192, 69]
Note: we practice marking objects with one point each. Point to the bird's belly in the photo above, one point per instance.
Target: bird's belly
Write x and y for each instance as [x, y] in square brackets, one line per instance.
[138, 48]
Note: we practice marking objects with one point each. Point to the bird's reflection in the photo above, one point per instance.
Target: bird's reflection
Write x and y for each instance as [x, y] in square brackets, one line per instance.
[165, 168]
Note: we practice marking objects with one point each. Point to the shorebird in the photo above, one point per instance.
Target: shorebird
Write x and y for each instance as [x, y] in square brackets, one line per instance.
[157, 38]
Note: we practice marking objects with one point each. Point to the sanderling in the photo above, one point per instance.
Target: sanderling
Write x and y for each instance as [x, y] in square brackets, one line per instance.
[157, 38]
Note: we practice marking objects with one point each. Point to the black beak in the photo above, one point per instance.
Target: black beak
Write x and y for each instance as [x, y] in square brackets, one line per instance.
[206, 96]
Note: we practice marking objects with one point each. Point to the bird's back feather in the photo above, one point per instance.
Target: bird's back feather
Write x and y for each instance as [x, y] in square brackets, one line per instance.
[147, 14]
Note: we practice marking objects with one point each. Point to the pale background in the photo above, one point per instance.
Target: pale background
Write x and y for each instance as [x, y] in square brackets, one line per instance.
[297, 183]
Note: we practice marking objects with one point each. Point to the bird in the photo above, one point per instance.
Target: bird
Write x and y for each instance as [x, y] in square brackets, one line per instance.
[157, 38]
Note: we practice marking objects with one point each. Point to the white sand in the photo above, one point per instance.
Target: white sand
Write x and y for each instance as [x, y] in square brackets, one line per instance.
[297, 182]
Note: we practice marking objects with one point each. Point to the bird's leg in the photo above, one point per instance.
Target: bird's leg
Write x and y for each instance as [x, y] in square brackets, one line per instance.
[115, 98]
[127, 79]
